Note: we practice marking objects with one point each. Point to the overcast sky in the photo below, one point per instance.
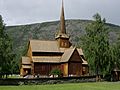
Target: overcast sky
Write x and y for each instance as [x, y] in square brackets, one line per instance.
[16, 12]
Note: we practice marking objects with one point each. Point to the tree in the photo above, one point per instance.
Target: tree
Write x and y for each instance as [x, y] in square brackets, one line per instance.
[95, 44]
[116, 53]
[6, 55]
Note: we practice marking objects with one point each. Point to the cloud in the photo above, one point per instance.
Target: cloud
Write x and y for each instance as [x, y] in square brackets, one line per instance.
[30, 11]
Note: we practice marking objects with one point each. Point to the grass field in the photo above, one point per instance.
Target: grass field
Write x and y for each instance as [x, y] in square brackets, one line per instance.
[72, 86]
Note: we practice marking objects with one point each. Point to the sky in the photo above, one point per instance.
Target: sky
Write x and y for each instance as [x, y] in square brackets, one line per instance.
[20, 12]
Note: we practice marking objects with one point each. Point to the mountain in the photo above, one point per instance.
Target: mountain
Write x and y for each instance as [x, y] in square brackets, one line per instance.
[47, 30]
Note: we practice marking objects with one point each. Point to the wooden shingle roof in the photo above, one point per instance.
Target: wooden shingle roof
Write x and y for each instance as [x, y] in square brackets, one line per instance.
[67, 54]
[44, 46]
[26, 60]
[50, 47]
[84, 62]
[80, 51]
[47, 59]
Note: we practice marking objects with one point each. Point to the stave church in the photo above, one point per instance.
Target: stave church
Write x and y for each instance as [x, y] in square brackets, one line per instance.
[44, 56]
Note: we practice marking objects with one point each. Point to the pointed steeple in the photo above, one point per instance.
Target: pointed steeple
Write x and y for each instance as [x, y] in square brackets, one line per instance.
[62, 20]
[61, 36]
[62, 31]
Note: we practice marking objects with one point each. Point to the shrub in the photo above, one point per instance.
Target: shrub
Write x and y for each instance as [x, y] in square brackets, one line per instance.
[56, 71]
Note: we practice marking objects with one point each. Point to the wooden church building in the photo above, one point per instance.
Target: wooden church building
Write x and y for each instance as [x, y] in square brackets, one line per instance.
[45, 56]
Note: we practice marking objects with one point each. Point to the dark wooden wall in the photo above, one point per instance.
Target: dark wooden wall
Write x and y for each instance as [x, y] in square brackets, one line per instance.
[72, 67]
[44, 68]
[75, 64]
[75, 57]
[75, 69]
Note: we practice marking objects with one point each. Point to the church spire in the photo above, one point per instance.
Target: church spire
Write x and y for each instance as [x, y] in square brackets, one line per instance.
[62, 20]
[61, 36]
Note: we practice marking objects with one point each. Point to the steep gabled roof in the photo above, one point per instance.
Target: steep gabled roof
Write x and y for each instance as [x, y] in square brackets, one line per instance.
[51, 46]
[81, 54]
[44, 46]
[67, 54]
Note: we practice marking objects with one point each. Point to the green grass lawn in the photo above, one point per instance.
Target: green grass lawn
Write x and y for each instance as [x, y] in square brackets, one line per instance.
[72, 86]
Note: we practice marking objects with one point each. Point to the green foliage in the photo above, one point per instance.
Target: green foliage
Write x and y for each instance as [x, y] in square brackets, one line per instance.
[116, 54]
[6, 55]
[96, 45]
[55, 72]
[75, 28]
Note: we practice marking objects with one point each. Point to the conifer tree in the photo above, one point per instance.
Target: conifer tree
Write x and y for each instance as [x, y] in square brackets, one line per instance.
[96, 46]
[6, 56]
[116, 54]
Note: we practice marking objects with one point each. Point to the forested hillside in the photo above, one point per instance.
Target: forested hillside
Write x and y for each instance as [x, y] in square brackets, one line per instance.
[46, 31]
